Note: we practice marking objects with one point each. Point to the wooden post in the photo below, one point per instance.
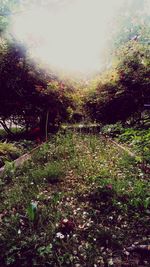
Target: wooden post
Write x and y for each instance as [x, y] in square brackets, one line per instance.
[46, 125]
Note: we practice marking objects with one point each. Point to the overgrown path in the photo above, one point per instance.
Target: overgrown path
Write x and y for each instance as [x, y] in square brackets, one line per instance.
[27, 156]
[80, 201]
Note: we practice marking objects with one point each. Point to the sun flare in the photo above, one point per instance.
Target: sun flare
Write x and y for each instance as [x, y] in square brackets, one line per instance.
[70, 38]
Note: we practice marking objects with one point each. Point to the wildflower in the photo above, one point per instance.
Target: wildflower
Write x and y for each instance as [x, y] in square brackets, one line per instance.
[64, 220]
[60, 235]
[34, 204]
[109, 186]
[19, 232]
[67, 226]
[127, 253]
[110, 262]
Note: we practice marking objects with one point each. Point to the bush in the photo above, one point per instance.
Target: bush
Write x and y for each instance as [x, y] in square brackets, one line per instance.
[113, 129]
[122, 92]
[140, 140]
[8, 152]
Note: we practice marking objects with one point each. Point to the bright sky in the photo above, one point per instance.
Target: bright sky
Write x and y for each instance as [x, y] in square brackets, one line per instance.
[69, 38]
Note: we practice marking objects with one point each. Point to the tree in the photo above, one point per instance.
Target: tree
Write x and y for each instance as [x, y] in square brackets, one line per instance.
[28, 94]
[131, 23]
[122, 95]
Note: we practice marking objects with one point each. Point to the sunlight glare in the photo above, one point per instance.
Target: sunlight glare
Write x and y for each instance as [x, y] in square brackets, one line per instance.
[71, 38]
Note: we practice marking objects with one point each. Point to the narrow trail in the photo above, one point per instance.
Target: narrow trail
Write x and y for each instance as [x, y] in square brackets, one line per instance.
[19, 161]
[76, 206]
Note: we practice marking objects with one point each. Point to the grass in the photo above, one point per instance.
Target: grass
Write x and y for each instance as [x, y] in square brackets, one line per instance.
[51, 173]
[79, 201]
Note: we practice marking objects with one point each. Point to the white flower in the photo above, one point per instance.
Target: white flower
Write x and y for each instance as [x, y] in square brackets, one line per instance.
[60, 235]
[127, 253]
[110, 262]
[65, 220]
[19, 232]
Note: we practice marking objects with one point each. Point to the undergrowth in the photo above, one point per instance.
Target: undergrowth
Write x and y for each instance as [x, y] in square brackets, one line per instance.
[79, 201]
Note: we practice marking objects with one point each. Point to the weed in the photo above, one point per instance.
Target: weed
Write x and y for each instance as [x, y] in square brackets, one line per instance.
[32, 211]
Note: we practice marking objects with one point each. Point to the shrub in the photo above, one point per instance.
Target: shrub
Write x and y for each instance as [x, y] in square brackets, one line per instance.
[113, 129]
[140, 140]
[8, 149]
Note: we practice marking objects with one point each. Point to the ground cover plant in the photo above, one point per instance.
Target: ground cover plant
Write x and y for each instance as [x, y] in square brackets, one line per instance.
[79, 201]
[136, 139]
[8, 152]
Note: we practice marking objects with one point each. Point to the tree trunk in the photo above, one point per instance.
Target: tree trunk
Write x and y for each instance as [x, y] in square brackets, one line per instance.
[46, 126]
[8, 131]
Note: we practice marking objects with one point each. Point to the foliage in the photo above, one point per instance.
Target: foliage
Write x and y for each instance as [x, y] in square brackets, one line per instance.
[136, 138]
[53, 172]
[5, 10]
[134, 22]
[8, 173]
[123, 92]
[112, 129]
[8, 151]
[7, 148]
[75, 201]
[140, 140]
[32, 211]
[28, 95]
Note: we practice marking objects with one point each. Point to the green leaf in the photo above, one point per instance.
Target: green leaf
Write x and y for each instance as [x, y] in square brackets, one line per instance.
[32, 211]
[146, 202]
